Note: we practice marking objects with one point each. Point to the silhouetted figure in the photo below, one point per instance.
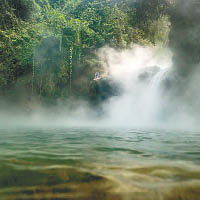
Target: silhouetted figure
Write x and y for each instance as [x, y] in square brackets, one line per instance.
[97, 76]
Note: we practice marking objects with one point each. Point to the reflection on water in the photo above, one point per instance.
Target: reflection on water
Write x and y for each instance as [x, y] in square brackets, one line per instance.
[98, 164]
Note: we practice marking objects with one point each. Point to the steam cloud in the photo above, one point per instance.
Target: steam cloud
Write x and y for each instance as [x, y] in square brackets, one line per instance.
[139, 72]
[142, 74]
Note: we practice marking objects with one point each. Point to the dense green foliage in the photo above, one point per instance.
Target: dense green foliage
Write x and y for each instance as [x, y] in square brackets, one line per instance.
[48, 48]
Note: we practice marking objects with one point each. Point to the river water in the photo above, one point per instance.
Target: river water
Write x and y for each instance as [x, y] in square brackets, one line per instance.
[99, 163]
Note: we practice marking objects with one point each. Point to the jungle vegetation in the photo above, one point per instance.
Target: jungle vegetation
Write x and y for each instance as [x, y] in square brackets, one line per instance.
[48, 48]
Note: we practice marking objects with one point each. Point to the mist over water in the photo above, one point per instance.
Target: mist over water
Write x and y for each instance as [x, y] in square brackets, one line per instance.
[147, 97]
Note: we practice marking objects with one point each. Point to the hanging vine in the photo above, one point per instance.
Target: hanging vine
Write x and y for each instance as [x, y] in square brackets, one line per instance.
[70, 65]
[33, 73]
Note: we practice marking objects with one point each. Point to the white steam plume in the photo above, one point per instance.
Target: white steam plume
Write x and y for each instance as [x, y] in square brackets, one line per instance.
[141, 72]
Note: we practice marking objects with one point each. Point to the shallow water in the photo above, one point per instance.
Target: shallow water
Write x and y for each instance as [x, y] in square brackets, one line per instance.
[99, 163]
